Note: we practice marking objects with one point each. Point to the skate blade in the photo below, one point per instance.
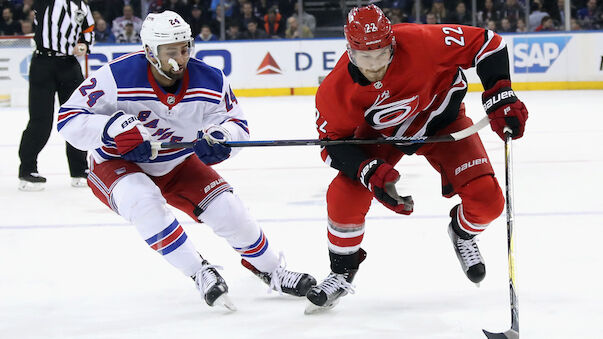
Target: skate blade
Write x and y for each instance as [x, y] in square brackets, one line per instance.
[27, 186]
[224, 300]
[79, 182]
[314, 309]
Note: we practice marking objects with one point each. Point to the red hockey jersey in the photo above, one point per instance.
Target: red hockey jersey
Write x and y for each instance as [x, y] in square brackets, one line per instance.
[422, 89]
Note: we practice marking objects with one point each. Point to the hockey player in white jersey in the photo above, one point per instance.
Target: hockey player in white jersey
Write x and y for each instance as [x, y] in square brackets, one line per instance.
[163, 94]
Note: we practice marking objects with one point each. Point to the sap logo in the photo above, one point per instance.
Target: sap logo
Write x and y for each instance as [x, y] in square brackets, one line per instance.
[537, 54]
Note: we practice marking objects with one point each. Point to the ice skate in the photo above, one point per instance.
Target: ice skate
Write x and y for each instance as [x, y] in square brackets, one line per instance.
[79, 182]
[469, 256]
[326, 295]
[212, 286]
[284, 281]
[31, 182]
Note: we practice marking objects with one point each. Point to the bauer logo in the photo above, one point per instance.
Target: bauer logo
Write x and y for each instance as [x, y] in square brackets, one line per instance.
[537, 54]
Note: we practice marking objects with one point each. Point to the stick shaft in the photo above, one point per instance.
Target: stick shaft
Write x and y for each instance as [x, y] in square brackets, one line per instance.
[317, 142]
[510, 240]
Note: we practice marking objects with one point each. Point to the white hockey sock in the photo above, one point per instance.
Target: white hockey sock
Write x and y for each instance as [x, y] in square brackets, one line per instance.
[229, 219]
[139, 201]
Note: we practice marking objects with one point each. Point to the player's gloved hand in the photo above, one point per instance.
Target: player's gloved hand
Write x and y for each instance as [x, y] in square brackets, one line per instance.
[208, 145]
[504, 109]
[380, 178]
[129, 135]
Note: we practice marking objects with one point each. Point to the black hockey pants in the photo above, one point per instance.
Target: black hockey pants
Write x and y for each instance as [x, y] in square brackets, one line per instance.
[47, 76]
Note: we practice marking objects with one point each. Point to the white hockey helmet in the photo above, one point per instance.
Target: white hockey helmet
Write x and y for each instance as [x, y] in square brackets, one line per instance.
[163, 28]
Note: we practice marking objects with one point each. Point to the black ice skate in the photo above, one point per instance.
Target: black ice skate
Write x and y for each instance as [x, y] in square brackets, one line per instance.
[31, 182]
[467, 252]
[212, 286]
[285, 281]
[326, 295]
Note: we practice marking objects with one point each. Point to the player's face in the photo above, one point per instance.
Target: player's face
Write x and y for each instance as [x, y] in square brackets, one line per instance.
[373, 64]
[179, 52]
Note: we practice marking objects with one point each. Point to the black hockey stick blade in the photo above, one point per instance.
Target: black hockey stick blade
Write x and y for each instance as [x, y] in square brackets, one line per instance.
[510, 334]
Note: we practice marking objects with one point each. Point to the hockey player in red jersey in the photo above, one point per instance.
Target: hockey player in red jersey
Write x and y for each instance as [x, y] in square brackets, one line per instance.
[406, 80]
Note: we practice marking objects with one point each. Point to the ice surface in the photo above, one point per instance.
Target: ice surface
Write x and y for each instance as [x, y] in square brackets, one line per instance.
[70, 268]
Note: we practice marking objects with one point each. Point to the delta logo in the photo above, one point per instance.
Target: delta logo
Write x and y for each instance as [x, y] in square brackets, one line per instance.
[268, 66]
[537, 54]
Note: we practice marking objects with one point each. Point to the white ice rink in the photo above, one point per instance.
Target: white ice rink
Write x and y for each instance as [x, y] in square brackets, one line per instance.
[70, 268]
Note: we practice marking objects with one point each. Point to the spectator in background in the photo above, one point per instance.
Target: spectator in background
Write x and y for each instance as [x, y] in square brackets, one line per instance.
[575, 25]
[198, 17]
[26, 27]
[114, 8]
[536, 15]
[521, 26]
[505, 26]
[102, 33]
[260, 8]
[512, 11]
[233, 31]
[206, 34]
[439, 10]
[96, 15]
[491, 25]
[546, 25]
[216, 20]
[274, 24]
[430, 19]
[9, 26]
[489, 12]
[307, 19]
[293, 30]
[129, 35]
[460, 15]
[176, 6]
[254, 32]
[119, 24]
[590, 16]
[228, 10]
[22, 10]
[246, 15]
[558, 13]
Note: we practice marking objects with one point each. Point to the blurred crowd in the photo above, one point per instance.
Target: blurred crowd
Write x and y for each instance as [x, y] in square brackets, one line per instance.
[119, 21]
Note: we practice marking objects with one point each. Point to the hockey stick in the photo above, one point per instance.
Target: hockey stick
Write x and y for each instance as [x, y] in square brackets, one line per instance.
[156, 146]
[513, 332]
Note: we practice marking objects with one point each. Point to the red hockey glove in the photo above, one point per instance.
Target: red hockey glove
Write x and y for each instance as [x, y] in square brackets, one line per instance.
[129, 135]
[380, 178]
[504, 109]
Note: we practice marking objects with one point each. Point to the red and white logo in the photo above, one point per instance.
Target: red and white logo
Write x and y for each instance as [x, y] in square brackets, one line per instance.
[269, 66]
[382, 115]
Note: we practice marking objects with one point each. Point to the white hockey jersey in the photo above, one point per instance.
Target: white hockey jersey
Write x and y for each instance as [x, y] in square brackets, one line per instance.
[203, 99]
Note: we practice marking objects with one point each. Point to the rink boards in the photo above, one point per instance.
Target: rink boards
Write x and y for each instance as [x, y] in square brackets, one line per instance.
[543, 61]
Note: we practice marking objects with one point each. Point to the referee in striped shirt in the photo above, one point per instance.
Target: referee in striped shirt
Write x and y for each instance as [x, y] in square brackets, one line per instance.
[63, 30]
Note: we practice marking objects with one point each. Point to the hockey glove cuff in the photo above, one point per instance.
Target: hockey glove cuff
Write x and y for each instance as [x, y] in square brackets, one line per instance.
[129, 135]
[505, 109]
[380, 178]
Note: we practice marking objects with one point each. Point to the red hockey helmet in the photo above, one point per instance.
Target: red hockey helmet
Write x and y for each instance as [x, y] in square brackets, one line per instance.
[368, 28]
